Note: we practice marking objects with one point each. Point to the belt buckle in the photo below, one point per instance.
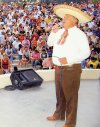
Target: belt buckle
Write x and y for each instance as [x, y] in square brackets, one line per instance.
[71, 65]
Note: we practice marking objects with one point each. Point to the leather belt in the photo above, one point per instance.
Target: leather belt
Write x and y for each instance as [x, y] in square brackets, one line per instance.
[69, 66]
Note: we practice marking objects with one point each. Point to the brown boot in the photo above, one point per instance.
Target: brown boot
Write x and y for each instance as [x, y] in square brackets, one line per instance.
[53, 118]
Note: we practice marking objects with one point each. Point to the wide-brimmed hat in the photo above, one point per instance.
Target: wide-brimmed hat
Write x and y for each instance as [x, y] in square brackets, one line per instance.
[61, 9]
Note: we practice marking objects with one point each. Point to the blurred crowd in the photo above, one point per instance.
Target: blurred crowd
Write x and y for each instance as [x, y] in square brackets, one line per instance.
[24, 30]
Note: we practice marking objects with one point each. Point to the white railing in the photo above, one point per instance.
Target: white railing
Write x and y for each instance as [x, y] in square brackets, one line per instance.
[48, 75]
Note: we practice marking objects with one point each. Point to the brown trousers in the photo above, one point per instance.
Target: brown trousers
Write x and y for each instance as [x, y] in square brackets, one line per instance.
[67, 82]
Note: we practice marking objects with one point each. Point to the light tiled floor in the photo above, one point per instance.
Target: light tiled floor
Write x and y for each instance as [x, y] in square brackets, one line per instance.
[30, 107]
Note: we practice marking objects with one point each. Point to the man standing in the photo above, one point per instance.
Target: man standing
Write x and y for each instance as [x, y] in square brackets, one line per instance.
[70, 48]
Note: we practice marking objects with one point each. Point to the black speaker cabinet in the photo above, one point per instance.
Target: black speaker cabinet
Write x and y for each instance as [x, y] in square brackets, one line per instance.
[25, 78]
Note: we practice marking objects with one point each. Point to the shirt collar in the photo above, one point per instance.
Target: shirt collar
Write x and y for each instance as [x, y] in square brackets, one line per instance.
[72, 28]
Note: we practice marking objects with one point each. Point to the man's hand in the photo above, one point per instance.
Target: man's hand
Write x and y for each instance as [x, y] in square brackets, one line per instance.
[55, 28]
[63, 60]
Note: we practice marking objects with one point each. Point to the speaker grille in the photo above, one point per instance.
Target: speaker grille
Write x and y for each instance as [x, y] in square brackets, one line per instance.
[30, 75]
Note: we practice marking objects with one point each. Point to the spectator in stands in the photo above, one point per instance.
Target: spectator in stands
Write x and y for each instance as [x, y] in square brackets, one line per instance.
[21, 36]
[26, 43]
[93, 63]
[94, 38]
[33, 43]
[9, 52]
[49, 51]
[96, 31]
[1, 34]
[39, 47]
[94, 54]
[24, 61]
[97, 47]
[26, 53]
[48, 19]
[15, 31]
[5, 64]
[16, 44]
[28, 35]
[43, 54]
[47, 63]
[35, 35]
[35, 58]
[20, 54]
[9, 37]
[43, 24]
[89, 32]
[2, 49]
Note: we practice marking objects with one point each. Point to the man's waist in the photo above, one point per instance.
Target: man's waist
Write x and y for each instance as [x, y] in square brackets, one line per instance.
[71, 65]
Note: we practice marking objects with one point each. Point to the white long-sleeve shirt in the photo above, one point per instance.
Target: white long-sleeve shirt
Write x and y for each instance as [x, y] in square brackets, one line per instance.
[75, 49]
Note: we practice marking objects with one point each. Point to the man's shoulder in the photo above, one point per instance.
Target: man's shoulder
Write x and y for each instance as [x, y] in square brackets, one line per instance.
[80, 32]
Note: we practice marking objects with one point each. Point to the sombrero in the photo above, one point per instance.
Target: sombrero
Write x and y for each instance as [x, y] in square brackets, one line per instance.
[61, 9]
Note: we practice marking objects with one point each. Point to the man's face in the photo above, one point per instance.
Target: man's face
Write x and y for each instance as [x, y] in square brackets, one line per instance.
[68, 21]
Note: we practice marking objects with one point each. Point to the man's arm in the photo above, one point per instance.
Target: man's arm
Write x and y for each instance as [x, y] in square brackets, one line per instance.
[51, 38]
[83, 49]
